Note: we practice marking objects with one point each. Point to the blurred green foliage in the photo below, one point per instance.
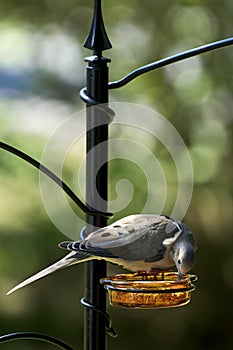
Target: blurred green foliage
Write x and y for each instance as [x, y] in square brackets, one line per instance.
[41, 72]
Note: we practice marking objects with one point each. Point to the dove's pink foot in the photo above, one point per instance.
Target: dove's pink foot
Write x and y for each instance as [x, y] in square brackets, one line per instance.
[145, 274]
[158, 272]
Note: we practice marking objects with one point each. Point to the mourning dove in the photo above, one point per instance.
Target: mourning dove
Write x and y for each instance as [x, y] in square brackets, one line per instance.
[139, 243]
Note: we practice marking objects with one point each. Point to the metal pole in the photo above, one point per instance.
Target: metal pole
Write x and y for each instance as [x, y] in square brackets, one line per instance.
[96, 175]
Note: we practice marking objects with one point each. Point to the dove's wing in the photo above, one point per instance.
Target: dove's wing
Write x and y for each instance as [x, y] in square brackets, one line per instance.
[124, 231]
[137, 237]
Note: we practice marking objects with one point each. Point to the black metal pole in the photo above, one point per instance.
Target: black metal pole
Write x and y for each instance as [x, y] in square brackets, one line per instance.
[96, 174]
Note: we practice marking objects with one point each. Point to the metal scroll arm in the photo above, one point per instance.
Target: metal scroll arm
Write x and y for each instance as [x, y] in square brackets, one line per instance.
[86, 209]
[168, 60]
[34, 336]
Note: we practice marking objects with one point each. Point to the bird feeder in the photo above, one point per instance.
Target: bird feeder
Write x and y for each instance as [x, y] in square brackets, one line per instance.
[160, 290]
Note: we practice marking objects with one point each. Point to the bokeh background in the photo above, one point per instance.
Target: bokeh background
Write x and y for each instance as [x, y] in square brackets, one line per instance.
[42, 70]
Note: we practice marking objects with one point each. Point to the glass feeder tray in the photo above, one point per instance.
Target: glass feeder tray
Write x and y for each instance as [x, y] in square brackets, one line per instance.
[160, 290]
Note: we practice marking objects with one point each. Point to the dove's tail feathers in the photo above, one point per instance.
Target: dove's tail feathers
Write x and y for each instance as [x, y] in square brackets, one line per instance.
[69, 259]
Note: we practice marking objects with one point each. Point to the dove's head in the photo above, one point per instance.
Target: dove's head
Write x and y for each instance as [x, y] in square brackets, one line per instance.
[184, 252]
[184, 258]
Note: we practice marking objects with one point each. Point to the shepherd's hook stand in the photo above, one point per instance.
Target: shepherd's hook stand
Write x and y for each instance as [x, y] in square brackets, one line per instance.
[97, 321]
[97, 121]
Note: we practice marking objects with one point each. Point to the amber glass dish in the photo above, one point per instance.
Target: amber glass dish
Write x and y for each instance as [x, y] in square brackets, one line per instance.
[149, 291]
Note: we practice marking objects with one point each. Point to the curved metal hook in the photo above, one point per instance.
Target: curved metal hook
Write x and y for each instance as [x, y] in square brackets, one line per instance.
[168, 60]
[86, 209]
[36, 336]
[110, 330]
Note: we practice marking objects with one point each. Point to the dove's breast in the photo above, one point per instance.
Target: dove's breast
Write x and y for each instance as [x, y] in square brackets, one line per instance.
[142, 265]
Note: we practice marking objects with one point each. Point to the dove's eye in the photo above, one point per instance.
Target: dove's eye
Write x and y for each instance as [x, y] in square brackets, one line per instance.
[179, 261]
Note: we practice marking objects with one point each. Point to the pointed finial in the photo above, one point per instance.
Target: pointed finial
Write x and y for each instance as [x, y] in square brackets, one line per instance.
[97, 39]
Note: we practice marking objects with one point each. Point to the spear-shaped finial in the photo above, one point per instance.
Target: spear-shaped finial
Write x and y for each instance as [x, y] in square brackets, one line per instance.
[97, 39]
